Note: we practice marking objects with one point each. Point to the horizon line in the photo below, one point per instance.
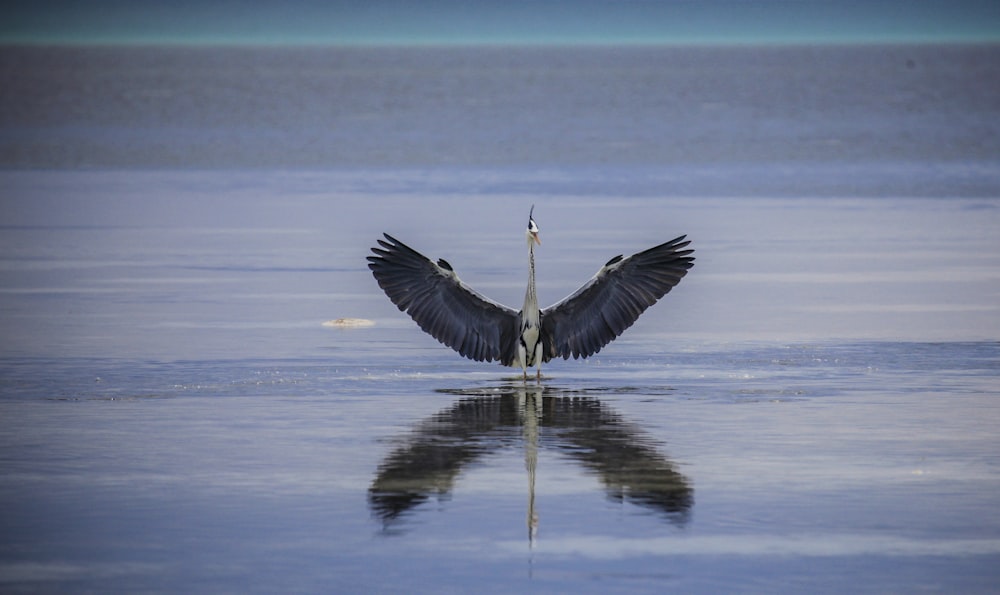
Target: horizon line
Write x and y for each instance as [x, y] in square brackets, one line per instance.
[762, 41]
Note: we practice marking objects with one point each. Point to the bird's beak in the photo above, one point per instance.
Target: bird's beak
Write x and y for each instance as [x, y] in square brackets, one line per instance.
[534, 236]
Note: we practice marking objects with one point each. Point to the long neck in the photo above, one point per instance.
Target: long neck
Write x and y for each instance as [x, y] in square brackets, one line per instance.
[530, 310]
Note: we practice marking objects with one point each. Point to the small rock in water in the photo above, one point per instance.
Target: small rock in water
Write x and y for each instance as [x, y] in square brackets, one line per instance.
[349, 322]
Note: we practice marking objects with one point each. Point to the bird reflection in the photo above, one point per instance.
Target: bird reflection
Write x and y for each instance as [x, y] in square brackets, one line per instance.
[427, 462]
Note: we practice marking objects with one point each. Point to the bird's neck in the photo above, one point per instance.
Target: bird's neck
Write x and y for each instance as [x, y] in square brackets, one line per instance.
[530, 310]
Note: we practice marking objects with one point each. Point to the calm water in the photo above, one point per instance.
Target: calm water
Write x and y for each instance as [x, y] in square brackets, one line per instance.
[814, 409]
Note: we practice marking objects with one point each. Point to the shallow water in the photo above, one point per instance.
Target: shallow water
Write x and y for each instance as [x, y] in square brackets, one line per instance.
[765, 467]
[814, 408]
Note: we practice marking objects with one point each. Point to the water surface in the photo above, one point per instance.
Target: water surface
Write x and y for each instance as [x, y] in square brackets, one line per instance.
[813, 409]
[801, 413]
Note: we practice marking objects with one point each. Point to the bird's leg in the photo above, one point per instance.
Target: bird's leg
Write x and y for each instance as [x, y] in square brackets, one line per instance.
[538, 361]
[522, 359]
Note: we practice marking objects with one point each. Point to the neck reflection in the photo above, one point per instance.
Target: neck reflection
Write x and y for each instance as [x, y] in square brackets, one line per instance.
[428, 461]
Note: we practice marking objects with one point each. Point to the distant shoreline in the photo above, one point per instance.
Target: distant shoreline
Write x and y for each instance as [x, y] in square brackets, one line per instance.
[715, 44]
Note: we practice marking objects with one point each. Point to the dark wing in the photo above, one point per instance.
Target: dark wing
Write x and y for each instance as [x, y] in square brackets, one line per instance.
[444, 307]
[612, 300]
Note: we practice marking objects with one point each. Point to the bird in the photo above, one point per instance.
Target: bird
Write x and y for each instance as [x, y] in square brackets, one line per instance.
[478, 328]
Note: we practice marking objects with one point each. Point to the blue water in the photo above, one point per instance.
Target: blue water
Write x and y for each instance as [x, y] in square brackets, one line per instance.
[842, 121]
[813, 409]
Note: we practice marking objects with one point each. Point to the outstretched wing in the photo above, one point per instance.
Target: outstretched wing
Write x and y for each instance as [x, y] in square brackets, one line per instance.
[612, 300]
[444, 307]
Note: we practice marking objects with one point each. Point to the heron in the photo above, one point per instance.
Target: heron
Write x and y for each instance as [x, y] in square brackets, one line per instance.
[481, 329]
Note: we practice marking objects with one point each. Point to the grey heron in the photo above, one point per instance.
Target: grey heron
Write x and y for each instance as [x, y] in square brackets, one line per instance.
[484, 330]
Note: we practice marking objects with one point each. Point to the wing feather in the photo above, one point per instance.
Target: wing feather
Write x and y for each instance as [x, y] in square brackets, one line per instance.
[600, 311]
[443, 306]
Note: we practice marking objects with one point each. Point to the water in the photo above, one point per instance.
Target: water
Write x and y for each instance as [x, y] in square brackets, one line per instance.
[814, 408]
[869, 466]
[916, 120]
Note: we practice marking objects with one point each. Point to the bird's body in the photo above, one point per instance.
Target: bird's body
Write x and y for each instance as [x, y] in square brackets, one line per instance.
[529, 349]
[484, 330]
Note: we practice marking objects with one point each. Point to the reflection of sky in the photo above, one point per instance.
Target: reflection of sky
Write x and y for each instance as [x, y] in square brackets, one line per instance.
[507, 21]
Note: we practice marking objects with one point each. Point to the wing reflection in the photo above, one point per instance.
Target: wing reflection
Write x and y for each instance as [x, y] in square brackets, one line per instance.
[429, 459]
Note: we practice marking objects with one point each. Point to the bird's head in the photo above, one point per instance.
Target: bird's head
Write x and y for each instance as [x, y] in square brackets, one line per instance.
[532, 233]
